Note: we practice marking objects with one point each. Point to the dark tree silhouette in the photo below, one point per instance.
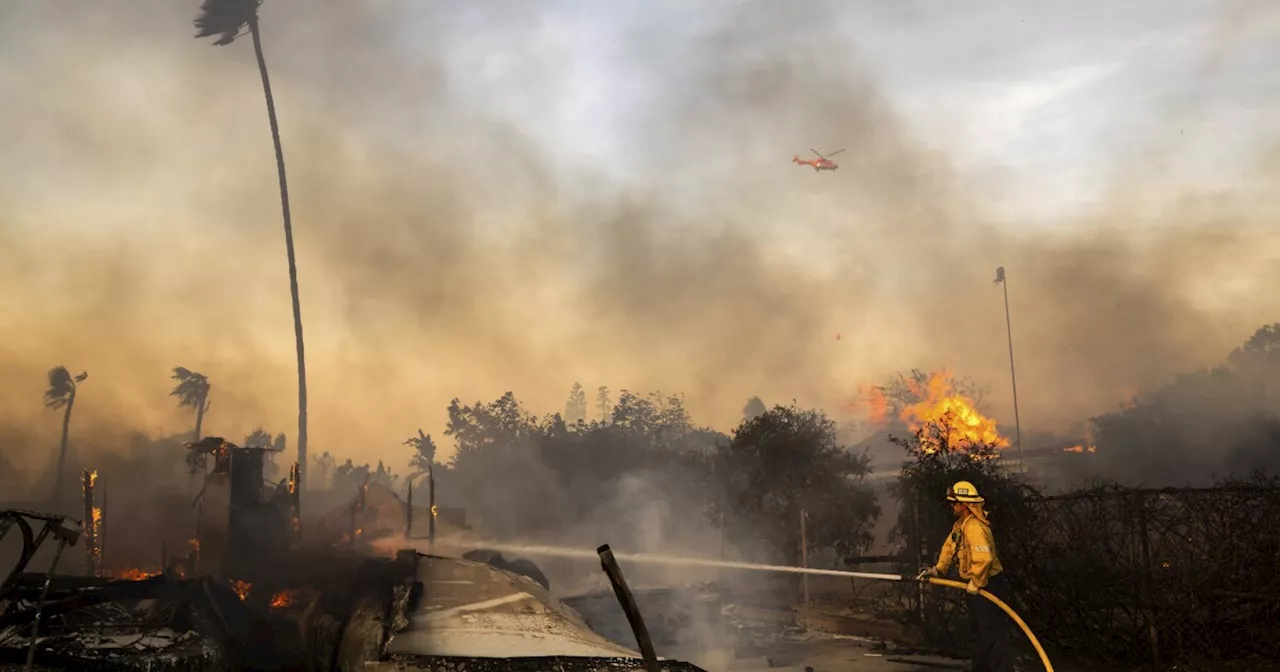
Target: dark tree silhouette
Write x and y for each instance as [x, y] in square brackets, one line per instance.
[323, 465]
[785, 461]
[226, 19]
[480, 428]
[192, 392]
[646, 443]
[1261, 350]
[261, 438]
[755, 407]
[258, 438]
[424, 452]
[1200, 426]
[347, 477]
[384, 476]
[575, 409]
[603, 404]
[62, 394]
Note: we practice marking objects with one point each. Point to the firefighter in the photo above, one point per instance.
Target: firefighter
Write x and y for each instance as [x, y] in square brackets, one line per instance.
[973, 549]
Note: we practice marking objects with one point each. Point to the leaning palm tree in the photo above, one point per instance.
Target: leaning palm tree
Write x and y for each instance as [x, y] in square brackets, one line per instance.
[192, 391]
[62, 394]
[227, 19]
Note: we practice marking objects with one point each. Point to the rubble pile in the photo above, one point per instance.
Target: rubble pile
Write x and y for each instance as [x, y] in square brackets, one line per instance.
[252, 595]
[156, 624]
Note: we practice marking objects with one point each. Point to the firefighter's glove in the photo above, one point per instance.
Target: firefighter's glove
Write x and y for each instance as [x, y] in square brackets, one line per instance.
[926, 573]
[972, 588]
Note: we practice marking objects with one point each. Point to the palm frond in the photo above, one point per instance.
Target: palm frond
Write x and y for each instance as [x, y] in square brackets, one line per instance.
[192, 389]
[258, 438]
[61, 386]
[225, 18]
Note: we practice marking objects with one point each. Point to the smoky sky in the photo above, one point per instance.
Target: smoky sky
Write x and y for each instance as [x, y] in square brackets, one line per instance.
[521, 195]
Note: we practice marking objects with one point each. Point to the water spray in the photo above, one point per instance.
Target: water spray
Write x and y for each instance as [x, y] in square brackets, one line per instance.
[655, 558]
[658, 559]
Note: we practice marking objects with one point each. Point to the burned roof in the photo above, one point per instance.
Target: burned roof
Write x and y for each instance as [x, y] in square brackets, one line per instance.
[471, 609]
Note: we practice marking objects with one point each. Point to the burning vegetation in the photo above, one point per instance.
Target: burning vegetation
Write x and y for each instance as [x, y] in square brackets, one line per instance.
[938, 409]
[134, 574]
[241, 589]
[283, 599]
[942, 405]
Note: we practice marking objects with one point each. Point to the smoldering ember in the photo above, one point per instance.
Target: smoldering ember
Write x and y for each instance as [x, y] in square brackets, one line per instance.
[961, 318]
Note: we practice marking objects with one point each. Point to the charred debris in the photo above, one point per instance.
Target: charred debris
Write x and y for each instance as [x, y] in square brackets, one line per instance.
[249, 593]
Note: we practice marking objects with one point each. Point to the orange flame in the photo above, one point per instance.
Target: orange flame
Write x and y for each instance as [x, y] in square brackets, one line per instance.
[876, 403]
[241, 588]
[133, 574]
[1080, 448]
[96, 530]
[283, 599]
[942, 406]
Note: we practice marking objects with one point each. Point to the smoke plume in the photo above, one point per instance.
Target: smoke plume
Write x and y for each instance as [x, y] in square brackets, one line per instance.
[462, 228]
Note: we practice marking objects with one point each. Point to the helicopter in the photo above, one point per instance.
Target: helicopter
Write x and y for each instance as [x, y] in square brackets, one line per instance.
[820, 163]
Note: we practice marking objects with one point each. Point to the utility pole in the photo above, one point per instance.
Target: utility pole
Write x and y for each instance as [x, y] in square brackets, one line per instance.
[804, 561]
[1013, 375]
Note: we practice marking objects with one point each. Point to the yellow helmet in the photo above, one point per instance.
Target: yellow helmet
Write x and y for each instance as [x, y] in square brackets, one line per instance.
[964, 491]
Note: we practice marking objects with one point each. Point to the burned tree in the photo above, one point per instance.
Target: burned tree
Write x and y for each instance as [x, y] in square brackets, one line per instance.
[61, 393]
[226, 19]
[192, 391]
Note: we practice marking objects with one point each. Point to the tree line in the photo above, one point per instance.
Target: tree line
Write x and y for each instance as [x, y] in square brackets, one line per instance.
[523, 476]
[517, 473]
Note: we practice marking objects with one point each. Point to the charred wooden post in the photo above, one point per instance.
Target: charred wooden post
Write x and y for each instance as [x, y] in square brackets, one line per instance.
[431, 495]
[408, 511]
[102, 534]
[295, 499]
[804, 561]
[629, 607]
[92, 521]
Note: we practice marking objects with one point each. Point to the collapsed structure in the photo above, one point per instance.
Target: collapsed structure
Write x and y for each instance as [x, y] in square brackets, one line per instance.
[252, 594]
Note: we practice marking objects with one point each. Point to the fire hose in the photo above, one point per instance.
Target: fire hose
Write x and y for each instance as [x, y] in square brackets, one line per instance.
[610, 566]
[1044, 658]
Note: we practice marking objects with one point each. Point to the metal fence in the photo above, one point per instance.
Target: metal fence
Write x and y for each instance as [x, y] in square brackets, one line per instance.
[1185, 577]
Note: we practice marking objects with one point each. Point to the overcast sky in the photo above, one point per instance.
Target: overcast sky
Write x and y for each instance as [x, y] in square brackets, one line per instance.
[1044, 94]
[515, 196]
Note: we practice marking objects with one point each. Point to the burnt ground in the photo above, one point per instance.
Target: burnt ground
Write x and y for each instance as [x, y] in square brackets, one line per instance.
[705, 626]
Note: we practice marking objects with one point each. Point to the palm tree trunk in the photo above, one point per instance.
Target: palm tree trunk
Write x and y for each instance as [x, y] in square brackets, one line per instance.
[200, 416]
[288, 244]
[62, 450]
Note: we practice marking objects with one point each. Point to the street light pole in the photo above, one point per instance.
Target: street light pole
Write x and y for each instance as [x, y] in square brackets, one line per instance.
[1013, 375]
